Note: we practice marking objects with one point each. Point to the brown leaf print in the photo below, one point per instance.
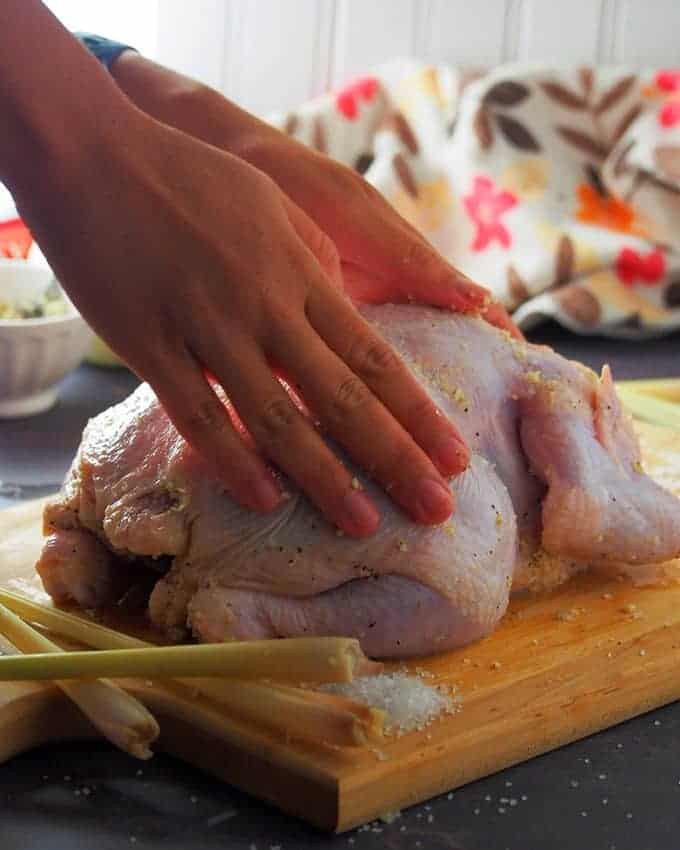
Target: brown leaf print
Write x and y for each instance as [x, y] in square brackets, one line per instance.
[626, 121]
[560, 94]
[667, 160]
[671, 297]
[517, 288]
[621, 164]
[585, 143]
[363, 162]
[405, 175]
[595, 180]
[579, 304]
[506, 93]
[614, 94]
[515, 133]
[564, 261]
[291, 124]
[586, 77]
[482, 128]
[397, 122]
[319, 135]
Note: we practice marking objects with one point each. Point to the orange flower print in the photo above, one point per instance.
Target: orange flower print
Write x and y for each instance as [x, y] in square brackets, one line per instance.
[633, 267]
[604, 211]
[485, 205]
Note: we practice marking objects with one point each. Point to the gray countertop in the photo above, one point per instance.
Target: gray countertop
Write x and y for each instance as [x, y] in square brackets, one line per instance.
[619, 790]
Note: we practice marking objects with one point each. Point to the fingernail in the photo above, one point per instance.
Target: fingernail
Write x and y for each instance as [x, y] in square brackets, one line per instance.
[266, 495]
[451, 456]
[362, 518]
[434, 501]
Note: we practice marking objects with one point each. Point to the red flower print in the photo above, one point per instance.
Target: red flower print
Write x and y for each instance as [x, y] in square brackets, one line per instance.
[485, 205]
[669, 114]
[647, 269]
[347, 99]
[668, 80]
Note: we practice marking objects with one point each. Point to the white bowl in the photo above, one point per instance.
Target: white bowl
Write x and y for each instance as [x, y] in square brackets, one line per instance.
[23, 280]
[35, 354]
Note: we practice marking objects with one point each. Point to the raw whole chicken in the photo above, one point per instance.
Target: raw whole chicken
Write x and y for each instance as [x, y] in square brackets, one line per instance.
[555, 468]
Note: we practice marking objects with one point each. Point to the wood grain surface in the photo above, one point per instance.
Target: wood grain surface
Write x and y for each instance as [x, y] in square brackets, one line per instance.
[561, 666]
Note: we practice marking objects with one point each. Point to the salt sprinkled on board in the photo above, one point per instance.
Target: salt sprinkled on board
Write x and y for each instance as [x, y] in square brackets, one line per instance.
[409, 702]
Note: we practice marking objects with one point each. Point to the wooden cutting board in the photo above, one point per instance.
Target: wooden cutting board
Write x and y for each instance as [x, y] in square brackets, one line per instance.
[560, 667]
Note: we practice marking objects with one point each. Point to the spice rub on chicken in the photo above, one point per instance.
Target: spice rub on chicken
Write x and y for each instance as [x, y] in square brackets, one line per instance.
[555, 467]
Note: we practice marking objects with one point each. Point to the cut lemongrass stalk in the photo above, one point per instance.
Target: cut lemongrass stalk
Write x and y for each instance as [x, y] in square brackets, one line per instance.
[295, 712]
[289, 659]
[648, 408]
[664, 388]
[68, 625]
[298, 713]
[313, 659]
[117, 715]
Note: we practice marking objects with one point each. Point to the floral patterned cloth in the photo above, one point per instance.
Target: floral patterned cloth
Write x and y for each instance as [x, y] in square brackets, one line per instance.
[559, 190]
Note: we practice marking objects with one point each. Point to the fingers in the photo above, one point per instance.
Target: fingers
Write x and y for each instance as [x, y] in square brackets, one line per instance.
[370, 402]
[367, 288]
[203, 421]
[290, 440]
[497, 315]
[399, 260]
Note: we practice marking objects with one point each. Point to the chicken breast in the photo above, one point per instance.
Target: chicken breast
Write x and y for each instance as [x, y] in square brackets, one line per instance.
[555, 468]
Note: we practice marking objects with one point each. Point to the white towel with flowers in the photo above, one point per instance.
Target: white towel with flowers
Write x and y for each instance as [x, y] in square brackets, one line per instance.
[557, 189]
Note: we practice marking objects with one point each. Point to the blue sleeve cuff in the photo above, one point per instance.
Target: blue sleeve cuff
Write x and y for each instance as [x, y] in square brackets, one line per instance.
[103, 49]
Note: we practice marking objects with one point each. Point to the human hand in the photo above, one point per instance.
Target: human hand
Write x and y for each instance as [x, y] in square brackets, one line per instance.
[382, 257]
[189, 261]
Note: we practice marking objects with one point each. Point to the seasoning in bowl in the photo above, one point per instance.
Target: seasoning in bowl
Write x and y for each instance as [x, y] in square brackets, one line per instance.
[49, 303]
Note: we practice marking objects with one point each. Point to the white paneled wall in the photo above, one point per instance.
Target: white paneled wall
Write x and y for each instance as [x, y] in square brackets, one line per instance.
[270, 54]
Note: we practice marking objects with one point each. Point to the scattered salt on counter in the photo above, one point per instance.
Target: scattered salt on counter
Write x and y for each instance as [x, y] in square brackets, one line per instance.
[409, 702]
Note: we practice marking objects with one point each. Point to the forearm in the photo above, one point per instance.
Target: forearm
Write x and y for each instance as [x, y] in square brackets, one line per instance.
[56, 101]
[189, 106]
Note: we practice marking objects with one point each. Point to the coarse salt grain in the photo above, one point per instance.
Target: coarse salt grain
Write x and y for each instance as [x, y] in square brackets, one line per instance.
[408, 701]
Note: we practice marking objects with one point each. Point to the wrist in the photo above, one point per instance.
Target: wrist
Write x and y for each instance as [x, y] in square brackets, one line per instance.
[190, 106]
[61, 153]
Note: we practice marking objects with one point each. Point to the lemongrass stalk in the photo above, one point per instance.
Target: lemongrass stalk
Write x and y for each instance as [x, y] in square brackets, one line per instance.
[650, 409]
[288, 660]
[298, 713]
[312, 659]
[68, 625]
[117, 715]
[667, 389]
